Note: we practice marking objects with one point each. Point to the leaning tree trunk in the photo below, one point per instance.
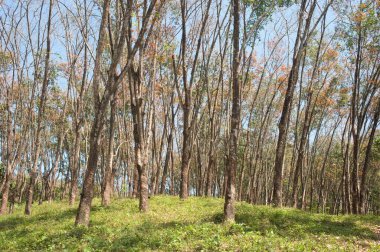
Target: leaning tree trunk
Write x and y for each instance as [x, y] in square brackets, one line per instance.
[301, 39]
[367, 159]
[83, 214]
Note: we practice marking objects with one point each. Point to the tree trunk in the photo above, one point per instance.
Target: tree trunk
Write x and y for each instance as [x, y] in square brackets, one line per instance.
[229, 203]
[41, 111]
[367, 159]
[108, 174]
[5, 192]
[301, 39]
[83, 214]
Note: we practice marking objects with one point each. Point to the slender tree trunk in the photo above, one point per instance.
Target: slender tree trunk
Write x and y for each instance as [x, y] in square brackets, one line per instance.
[8, 171]
[322, 176]
[301, 151]
[229, 203]
[367, 160]
[83, 213]
[356, 127]
[108, 174]
[167, 160]
[284, 120]
[75, 167]
[138, 135]
[41, 111]
[301, 39]
[5, 192]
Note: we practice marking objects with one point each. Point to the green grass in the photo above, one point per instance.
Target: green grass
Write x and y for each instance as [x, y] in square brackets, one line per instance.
[191, 225]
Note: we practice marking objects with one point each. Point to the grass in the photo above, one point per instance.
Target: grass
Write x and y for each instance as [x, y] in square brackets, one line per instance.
[191, 225]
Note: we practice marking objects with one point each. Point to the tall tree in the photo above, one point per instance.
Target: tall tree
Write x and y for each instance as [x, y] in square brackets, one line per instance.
[232, 161]
[40, 117]
[303, 34]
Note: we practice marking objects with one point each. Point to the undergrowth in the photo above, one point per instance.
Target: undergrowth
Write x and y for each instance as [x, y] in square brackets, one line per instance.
[191, 225]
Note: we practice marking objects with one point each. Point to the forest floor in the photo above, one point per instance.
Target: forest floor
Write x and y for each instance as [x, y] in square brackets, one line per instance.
[191, 225]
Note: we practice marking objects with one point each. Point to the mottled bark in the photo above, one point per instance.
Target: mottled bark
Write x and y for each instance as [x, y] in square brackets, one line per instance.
[108, 174]
[83, 213]
[229, 203]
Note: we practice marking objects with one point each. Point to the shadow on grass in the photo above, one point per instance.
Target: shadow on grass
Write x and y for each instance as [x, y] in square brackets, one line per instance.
[12, 222]
[300, 226]
[36, 239]
[140, 236]
[294, 225]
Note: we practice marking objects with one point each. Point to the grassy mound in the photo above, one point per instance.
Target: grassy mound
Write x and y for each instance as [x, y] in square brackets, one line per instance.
[191, 225]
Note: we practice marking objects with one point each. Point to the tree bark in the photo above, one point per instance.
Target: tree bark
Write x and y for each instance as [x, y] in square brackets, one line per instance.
[41, 111]
[229, 203]
[300, 43]
[108, 174]
[367, 159]
[83, 213]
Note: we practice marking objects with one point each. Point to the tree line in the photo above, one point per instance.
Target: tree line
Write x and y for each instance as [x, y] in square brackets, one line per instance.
[269, 102]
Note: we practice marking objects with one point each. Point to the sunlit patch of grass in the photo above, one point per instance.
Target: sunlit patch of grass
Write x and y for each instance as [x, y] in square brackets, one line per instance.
[191, 225]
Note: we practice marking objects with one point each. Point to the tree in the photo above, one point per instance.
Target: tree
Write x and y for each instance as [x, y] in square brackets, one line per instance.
[303, 34]
[229, 207]
[41, 111]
